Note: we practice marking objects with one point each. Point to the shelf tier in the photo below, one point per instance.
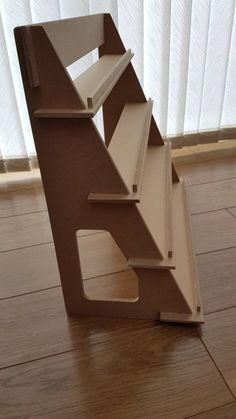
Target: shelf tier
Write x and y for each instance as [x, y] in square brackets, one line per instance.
[185, 272]
[93, 86]
[156, 196]
[129, 142]
[128, 150]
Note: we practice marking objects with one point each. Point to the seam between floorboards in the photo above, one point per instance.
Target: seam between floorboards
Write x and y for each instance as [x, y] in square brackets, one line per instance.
[214, 251]
[212, 210]
[48, 242]
[73, 349]
[228, 210]
[23, 213]
[208, 183]
[209, 410]
[214, 362]
[204, 183]
[59, 285]
[219, 310]
[37, 359]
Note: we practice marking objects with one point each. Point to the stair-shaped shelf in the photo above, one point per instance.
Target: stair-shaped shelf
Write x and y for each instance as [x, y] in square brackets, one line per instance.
[127, 186]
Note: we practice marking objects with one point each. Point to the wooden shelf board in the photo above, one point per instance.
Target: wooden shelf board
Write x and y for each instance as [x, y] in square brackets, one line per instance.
[185, 273]
[114, 198]
[129, 141]
[196, 317]
[93, 86]
[138, 175]
[152, 263]
[64, 113]
[154, 201]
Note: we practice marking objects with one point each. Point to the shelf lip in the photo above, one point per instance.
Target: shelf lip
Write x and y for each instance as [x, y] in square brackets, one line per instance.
[108, 80]
[138, 176]
[110, 198]
[95, 100]
[152, 206]
[186, 276]
[129, 143]
[152, 263]
[169, 199]
[64, 113]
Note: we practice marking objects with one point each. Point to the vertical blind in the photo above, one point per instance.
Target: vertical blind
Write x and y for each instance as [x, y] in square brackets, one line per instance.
[185, 58]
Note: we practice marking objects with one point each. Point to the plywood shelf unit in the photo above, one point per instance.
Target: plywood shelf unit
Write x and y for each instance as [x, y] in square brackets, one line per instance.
[126, 186]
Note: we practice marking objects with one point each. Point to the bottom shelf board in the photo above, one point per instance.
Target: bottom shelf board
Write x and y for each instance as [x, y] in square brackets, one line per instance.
[196, 317]
[185, 273]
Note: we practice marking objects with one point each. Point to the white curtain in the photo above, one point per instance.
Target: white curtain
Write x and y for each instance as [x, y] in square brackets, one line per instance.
[185, 58]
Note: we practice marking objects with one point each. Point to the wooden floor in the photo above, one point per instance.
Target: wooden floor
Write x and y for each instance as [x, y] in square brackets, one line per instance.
[55, 367]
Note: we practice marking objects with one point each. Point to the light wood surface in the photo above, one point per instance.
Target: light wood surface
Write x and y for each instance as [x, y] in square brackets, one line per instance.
[127, 140]
[224, 412]
[208, 171]
[219, 337]
[232, 211]
[146, 371]
[220, 195]
[27, 230]
[217, 279]
[182, 253]
[153, 200]
[95, 84]
[22, 201]
[80, 381]
[65, 34]
[213, 231]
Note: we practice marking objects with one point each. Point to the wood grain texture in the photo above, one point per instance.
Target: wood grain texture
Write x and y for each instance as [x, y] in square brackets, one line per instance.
[131, 367]
[99, 256]
[122, 285]
[120, 369]
[232, 211]
[224, 412]
[217, 279]
[213, 231]
[208, 171]
[219, 195]
[28, 230]
[22, 201]
[219, 336]
[24, 230]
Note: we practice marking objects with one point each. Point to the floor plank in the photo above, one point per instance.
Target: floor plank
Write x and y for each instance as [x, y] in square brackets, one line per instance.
[219, 195]
[22, 201]
[224, 412]
[232, 211]
[219, 336]
[208, 171]
[213, 231]
[105, 368]
[123, 285]
[36, 325]
[99, 256]
[28, 230]
[217, 279]
[120, 369]
[24, 230]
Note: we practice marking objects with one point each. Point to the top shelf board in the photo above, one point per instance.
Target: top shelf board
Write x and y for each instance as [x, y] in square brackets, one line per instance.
[93, 86]
[98, 80]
